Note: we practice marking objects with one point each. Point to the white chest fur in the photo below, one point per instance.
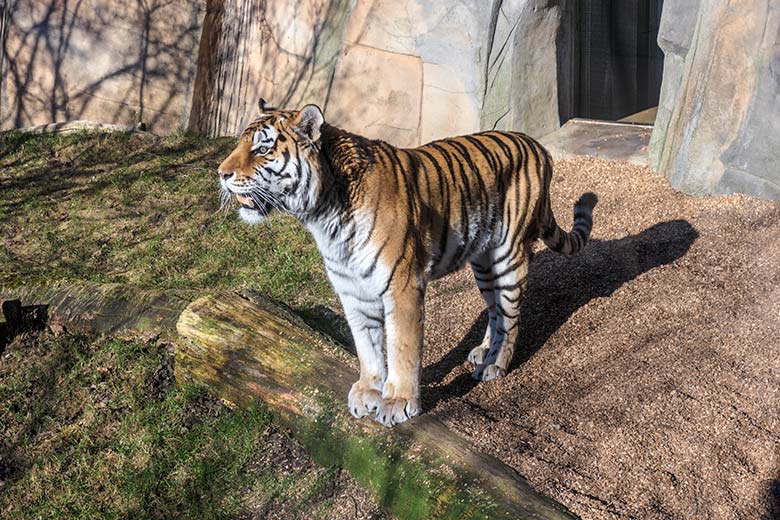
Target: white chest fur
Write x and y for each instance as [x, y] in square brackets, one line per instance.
[352, 261]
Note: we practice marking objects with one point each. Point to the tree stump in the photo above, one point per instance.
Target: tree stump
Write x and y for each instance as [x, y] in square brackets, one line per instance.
[10, 321]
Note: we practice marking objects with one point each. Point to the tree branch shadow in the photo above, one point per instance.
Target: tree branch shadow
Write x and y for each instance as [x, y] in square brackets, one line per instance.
[133, 66]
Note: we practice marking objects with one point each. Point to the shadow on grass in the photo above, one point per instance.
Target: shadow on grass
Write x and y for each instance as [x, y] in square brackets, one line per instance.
[92, 169]
[328, 321]
[558, 286]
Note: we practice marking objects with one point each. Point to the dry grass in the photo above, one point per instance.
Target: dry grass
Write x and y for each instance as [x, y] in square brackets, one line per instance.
[96, 428]
[143, 210]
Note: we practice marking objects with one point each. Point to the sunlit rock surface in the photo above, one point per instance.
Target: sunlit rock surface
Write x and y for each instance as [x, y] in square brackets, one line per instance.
[718, 124]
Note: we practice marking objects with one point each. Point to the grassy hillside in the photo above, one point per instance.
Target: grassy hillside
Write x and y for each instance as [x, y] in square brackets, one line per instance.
[97, 428]
[144, 210]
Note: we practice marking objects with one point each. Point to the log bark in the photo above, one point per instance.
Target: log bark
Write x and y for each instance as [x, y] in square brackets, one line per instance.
[96, 308]
[245, 350]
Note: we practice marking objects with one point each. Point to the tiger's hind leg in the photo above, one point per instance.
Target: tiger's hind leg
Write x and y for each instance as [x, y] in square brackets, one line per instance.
[481, 267]
[509, 279]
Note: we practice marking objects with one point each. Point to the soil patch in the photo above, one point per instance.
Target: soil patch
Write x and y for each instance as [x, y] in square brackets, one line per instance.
[646, 383]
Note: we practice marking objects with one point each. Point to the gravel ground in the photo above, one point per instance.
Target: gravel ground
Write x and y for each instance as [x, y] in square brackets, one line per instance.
[647, 379]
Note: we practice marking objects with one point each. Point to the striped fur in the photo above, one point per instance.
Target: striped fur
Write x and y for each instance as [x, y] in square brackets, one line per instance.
[388, 220]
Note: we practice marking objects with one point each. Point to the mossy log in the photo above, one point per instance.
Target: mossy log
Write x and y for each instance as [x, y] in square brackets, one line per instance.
[246, 349]
[249, 348]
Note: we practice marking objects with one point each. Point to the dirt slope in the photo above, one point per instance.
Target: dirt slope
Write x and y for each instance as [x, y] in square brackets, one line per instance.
[647, 379]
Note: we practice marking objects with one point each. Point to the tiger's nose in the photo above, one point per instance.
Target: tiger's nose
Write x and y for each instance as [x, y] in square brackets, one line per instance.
[225, 175]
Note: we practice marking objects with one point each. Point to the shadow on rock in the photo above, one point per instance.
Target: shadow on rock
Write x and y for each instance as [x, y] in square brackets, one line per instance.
[773, 500]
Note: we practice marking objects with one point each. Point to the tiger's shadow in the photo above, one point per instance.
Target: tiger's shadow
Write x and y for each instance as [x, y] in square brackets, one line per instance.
[557, 287]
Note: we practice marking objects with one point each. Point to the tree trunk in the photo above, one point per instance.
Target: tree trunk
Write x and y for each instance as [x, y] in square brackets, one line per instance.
[244, 349]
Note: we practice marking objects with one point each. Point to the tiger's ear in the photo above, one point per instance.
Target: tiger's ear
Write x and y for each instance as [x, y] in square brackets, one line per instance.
[263, 106]
[308, 122]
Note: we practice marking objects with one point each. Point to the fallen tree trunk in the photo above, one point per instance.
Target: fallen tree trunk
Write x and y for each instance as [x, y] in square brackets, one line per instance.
[245, 350]
[91, 307]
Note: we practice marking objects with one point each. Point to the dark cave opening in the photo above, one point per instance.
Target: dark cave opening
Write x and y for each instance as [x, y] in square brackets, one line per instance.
[610, 64]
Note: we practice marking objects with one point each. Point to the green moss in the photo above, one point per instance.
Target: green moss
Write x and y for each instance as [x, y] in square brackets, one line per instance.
[411, 487]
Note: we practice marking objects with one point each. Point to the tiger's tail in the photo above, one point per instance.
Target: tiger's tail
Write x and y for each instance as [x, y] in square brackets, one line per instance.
[556, 238]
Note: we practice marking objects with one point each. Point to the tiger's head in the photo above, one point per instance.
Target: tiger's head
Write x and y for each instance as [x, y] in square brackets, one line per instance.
[275, 164]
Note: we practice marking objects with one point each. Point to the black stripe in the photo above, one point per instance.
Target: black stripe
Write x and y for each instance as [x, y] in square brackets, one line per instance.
[355, 297]
[511, 288]
[523, 165]
[492, 161]
[510, 299]
[380, 318]
[436, 168]
[518, 227]
[444, 193]
[503, 332]
[371, 268]
[300, 173]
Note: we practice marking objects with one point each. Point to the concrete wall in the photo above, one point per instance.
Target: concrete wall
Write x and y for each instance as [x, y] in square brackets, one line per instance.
[407, 71]
[110, 61]
[718, 124]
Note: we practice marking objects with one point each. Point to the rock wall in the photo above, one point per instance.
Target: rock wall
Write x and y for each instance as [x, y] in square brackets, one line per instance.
[526, 74]
[407, 71]
[104, 60]
[283, 51]
[718, 123]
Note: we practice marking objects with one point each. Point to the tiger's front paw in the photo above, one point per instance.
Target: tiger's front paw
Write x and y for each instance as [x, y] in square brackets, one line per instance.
[363, 399]
[477, 354]
[396, 411]
[485, 372]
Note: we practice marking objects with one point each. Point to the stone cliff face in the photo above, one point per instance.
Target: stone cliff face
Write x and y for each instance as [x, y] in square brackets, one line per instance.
[408, 71]
[718, 125]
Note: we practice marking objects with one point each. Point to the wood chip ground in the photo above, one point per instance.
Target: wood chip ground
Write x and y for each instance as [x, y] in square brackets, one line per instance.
[647, 379]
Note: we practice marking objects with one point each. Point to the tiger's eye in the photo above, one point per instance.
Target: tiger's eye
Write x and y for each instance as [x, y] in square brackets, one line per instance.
[263, 150]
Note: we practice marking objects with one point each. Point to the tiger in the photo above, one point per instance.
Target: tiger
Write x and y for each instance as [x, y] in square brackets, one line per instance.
[388, 220]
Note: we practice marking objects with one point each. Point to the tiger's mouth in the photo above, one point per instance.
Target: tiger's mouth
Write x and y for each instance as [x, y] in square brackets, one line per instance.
[251, 204]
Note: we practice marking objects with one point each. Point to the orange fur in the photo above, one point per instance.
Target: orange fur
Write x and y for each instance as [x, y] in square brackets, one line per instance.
[389, 220]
